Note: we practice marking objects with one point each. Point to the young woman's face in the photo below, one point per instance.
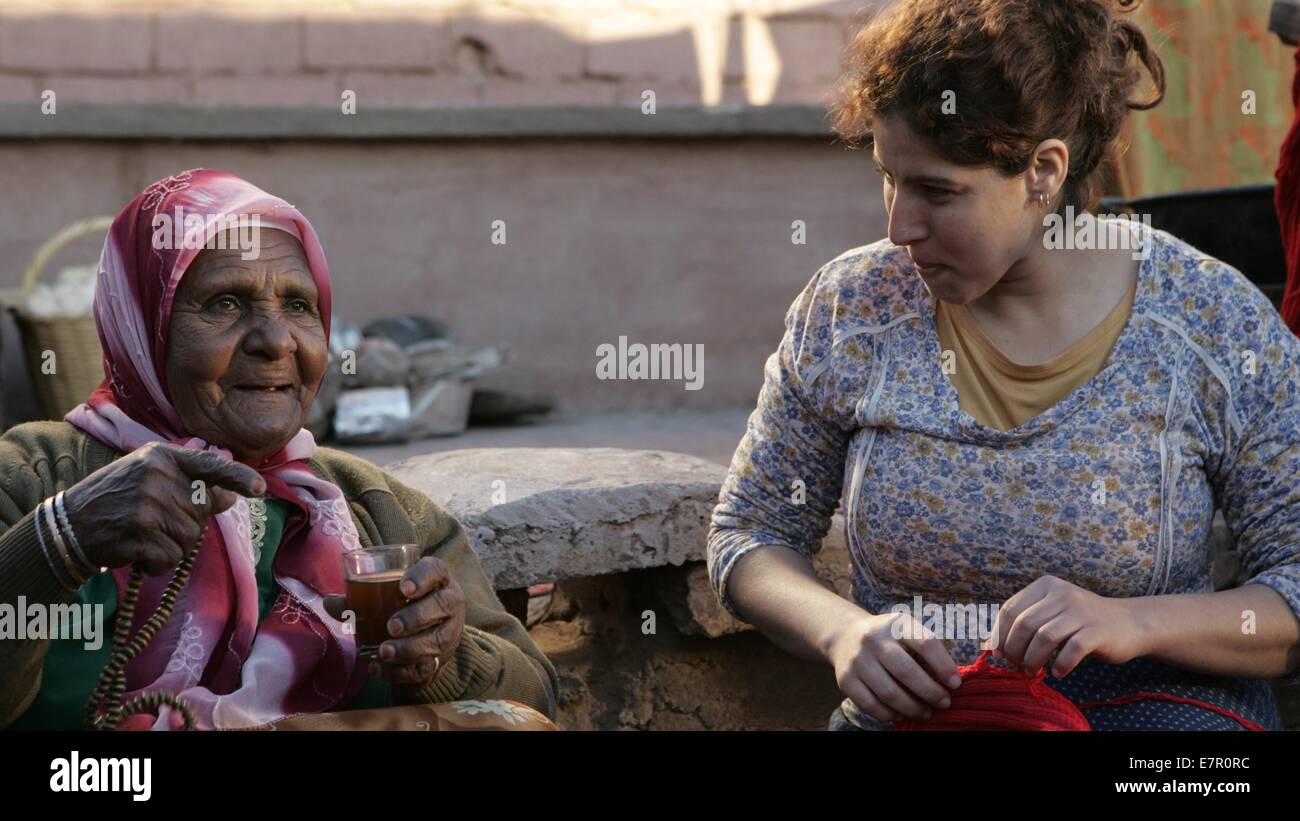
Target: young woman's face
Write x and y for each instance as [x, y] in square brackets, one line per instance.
[964, 227]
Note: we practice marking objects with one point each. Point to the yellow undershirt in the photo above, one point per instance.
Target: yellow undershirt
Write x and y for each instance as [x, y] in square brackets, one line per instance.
[1003, 394]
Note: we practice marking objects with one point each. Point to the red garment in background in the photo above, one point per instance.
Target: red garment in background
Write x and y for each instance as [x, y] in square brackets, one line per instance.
[1286, 198]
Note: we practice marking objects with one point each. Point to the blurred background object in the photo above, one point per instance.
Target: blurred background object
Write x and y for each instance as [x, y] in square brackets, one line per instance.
[408, 379]
[1228, 104]
[60, 345]
[1284, 21]
[1236, 225]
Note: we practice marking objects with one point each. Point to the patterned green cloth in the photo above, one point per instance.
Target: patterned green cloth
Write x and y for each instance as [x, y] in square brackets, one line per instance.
[1199, 137]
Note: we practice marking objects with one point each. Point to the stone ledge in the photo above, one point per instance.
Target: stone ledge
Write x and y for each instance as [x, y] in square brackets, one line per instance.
[547, 514]
[174, 122]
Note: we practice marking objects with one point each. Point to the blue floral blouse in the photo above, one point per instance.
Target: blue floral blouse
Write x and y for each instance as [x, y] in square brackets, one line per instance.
[1113, 489]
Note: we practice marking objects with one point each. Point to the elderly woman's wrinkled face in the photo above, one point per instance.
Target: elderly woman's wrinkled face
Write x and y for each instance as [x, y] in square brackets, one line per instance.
[246, 350]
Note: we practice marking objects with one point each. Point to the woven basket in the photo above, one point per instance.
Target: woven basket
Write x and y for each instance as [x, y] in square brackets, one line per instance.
[78, 358]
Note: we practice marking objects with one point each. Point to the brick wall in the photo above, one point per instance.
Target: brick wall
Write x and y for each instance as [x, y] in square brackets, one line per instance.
[432, 53]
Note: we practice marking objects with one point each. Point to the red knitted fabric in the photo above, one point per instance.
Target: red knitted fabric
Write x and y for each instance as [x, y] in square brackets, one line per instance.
[996, 698]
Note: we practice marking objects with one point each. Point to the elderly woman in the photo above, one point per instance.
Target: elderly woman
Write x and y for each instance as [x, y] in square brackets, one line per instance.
[212, 362]
[1033, 435]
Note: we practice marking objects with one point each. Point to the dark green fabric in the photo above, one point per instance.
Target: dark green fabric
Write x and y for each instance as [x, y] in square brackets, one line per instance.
[277, 511]
[70, 670]
[374, 694]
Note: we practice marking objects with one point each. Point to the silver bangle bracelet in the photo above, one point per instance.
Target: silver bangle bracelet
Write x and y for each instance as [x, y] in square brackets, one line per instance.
[54, 566]
[77, 576]
[78, 555]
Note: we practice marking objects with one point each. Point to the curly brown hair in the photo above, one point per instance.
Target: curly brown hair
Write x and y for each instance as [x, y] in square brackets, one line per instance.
[1023, 71]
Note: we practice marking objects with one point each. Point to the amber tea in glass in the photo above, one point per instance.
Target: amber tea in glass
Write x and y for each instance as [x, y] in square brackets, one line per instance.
[373, 576]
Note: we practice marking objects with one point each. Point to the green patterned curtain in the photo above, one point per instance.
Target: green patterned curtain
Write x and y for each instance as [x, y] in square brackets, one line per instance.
[1199, 137]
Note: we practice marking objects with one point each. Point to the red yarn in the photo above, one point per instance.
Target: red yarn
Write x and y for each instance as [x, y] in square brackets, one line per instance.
[997, 698]
[1146, 696]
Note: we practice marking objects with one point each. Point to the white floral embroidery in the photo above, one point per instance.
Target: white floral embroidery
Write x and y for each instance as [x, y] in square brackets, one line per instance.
[510, 712]
[188, 653]
[243, 530]
[290, 610]
[154, 194]
[257, 517]
[335, 520]
[118, 383]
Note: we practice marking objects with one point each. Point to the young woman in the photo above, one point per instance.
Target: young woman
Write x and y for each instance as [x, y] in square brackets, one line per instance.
[1020, 424]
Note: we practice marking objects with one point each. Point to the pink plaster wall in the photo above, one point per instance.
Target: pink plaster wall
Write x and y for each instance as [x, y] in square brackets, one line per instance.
[660, 241]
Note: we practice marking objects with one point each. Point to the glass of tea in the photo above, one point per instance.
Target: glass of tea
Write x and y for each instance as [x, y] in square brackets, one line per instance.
[373, 575]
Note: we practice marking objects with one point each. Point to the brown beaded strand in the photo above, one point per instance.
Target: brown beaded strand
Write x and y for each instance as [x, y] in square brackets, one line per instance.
[107, 695]
[121, 633]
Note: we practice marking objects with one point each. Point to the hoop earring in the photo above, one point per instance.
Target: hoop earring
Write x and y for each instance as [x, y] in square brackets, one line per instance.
[1042, 200]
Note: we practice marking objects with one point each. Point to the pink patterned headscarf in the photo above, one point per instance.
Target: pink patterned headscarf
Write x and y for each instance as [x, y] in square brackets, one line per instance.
[212, 651]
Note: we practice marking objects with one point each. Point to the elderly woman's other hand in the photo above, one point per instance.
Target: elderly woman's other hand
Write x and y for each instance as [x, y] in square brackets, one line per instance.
[151, 506]
[426, 632]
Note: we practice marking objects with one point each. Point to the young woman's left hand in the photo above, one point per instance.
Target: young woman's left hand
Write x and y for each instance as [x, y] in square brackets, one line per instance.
[1051, 614]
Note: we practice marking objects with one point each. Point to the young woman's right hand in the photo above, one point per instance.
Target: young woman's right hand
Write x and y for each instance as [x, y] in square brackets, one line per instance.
[884, 676]
[143, 509]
